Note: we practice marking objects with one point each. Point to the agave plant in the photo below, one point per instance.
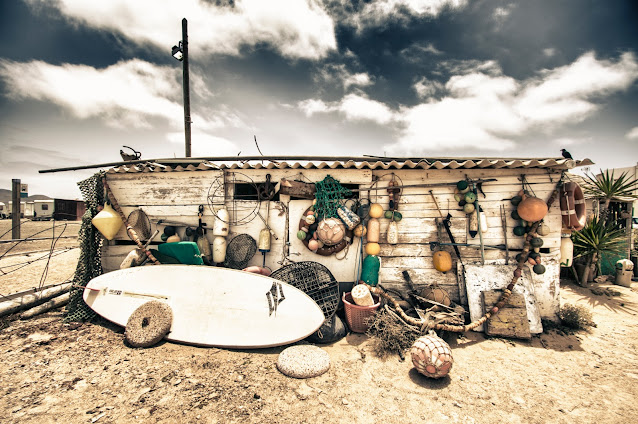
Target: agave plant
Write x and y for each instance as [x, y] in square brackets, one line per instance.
[597, 240]
[605, 188]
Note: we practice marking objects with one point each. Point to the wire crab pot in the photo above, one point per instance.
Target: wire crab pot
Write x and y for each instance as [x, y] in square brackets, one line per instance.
[315, 280]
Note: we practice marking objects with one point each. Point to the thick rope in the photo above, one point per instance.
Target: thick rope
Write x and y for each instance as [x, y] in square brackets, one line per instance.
[502, 301]
[129, 229]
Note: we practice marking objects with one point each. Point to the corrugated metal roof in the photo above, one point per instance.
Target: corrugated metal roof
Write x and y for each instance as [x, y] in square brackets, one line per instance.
[191, 164]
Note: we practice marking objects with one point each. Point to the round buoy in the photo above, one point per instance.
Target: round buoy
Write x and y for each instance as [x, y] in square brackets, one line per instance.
[303, 361]
[148, 324]
[431, 356]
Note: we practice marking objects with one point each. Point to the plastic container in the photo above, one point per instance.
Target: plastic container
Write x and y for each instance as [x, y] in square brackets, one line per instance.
[357, 316]
[374, 227]
[370, 270]
[624, 272]
[566, 250]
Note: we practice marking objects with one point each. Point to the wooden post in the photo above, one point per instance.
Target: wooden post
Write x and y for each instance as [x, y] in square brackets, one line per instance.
[15, 209]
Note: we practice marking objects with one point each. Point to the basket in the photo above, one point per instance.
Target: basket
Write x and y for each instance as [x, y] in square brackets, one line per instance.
[357, 316]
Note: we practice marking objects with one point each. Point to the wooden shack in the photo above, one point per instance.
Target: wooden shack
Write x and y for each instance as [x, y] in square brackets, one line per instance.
[173, 189]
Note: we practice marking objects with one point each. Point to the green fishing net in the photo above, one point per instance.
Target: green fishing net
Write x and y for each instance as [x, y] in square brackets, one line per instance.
[329, 195]
[90, 240]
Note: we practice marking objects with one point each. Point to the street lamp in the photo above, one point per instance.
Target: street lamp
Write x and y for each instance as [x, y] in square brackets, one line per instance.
[180, 52]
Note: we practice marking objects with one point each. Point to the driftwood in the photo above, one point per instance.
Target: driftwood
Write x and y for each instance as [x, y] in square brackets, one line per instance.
[30, 300]
[47, 306]
[298, 189]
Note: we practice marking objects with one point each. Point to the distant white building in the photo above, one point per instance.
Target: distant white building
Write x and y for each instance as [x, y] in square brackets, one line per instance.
[43, 209]
[3, 211]
[632, 174]
[26, 209]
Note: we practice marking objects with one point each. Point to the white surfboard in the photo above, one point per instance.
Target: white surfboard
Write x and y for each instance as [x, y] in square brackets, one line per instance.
[211, 306]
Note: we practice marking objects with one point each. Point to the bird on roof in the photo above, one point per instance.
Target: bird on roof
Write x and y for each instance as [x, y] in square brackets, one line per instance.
[566, 154]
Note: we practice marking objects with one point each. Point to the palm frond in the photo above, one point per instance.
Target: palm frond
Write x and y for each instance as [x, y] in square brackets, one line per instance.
[599, 237]
[605, 186]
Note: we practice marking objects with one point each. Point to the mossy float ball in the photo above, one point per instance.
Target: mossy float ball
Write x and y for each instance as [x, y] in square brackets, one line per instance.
[519, 230]
[461, 185]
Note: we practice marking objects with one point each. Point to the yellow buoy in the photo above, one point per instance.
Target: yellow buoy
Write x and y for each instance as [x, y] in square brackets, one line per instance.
[108, 222]
[373, 248]
[442, 261]
[376, 210]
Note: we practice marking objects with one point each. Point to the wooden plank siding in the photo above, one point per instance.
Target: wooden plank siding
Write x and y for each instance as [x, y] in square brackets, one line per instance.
[176, 195]
[418, 226]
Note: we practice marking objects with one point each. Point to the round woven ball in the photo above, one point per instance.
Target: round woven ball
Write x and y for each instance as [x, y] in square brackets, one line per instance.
[303, 361]
[148, 324]
[331, 231]
[431, 356]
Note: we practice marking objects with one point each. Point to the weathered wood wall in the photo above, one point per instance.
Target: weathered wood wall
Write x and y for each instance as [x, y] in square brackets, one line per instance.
[176, 196]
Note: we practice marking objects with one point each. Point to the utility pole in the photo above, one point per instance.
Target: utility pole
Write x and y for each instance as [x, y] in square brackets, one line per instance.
[15, 209]
[186, 84]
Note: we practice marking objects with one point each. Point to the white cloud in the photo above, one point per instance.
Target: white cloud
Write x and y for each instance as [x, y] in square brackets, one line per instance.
[480, 107]
[360, 79]
[426, 88]
[487, 109]
[501, 14]
[353, 107]
[359, 108]
[377, 12]
[332, 74]
[569, 141]
[416, 53]
[632, 134]
[549, 52]
[205, 145]
[126, 94]
[568, 93]
[312, 106]
[297, 29]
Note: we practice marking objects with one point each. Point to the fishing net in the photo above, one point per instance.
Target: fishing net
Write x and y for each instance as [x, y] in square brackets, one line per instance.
[90, 240]
[315, 280]
[140, 223]
[329, 195]
[240, 251]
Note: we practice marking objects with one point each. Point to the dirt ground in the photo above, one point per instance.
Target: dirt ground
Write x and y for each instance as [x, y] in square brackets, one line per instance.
[85, 373]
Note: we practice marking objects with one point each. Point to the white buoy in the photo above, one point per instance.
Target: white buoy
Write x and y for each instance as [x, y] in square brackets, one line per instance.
[219, 249]
[361, 295]
[221, 224]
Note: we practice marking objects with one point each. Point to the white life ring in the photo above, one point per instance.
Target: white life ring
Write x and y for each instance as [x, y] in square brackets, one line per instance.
[572, 206]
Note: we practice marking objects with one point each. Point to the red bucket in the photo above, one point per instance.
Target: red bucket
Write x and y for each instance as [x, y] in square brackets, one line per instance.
[358, 316]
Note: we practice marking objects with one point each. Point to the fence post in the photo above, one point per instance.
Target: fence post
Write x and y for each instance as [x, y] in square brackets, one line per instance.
[15, 209]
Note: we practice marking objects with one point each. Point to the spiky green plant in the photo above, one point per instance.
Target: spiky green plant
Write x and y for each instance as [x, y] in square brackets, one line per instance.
[597, 239]
[605, 188]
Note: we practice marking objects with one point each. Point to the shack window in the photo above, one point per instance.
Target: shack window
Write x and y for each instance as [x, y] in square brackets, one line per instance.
[247, 191]
[45, 207]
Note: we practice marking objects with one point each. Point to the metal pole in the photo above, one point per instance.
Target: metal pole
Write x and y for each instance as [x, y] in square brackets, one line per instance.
[15, 209]
[186, 84]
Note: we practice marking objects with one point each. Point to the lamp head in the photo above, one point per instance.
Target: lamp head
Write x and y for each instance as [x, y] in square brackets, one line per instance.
[178, 52]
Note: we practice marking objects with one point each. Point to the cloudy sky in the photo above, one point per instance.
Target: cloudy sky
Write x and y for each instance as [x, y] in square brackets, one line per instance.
[434, 78]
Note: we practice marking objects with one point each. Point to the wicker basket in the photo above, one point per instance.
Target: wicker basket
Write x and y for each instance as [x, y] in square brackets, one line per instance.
[356, 315]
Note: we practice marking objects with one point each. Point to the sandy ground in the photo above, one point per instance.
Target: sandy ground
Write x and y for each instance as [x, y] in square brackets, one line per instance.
[84, 373]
